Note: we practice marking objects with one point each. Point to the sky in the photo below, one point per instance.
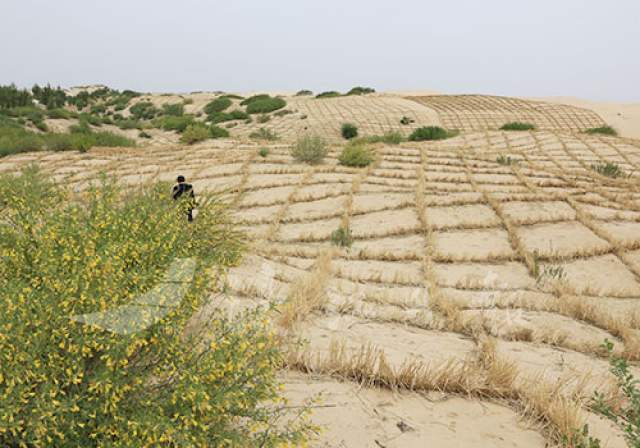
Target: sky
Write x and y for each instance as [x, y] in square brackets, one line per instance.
[583, 48]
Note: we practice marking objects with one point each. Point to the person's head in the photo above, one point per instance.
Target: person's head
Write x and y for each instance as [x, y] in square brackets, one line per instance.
[181, 179]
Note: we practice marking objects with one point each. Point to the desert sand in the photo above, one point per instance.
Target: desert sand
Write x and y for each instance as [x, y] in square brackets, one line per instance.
[471, 307]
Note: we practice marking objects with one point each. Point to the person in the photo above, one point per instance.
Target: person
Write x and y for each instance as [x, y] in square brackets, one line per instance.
[182, 188]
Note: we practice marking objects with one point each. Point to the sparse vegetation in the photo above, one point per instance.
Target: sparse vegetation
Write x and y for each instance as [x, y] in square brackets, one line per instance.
[342, 237]
[390, 138]
[349, 131]
[144, 110]
[264, 118]
[406, 120]
[608, 169]
[304, 93]
[517, 126]
[311, 149]
[177, 109]
[143, 134]
[430, 133]
[604, 130]
[356, 155]
[264, 134]
[264, 152]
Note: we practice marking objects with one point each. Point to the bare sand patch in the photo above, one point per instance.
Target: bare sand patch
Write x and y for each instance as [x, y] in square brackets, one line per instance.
[472, 215]
[473, 244]
[561, 239]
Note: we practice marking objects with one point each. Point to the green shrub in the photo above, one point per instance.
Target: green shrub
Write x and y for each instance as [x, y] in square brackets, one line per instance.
[608, 169]
[349, 131]
[357, 155]
[311, 149]
[605, 130]
[232, 96]
[93, 120]
[59, 114]
[429, 133]
[194, 133]
[128, 384]
[360, 91]
[390, 138]
[177, 110]
[264, 152]
[406, 120]
[342, 237]
[143, 134]
[218, 132]
[220, 117]
[144, 110]
[264, 118]
[265, 105]
[329, 94]
[304, 93]
[217, 105]
[517, 126]
[187, 101]
[98, 109]
[264, 134]
[251, 99]
[625, 413]
[179, 124]
[128, 124]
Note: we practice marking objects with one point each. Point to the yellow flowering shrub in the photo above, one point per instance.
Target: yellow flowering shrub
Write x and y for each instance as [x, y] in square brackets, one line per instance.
[65, 382]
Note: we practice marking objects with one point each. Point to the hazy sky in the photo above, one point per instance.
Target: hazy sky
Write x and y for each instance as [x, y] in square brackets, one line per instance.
[585, 48]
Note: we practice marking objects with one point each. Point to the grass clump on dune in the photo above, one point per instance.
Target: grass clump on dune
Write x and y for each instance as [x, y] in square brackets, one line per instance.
[304, 92]
[517, 126]
[608, 169]
[171, 123]
[194, 133]
[220, 117]
[264, 134]
[128, 384]
[311, 149]
[430, 133]
[355, 155]
[604, 130]
[342, 237]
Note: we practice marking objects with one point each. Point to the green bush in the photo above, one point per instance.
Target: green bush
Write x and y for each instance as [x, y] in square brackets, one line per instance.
[128, 123]
[625, 413]
[517, 126]
[406, 120]
[232, 96]
[265, 105]
[604, 130]
[218, 132]
[179, 124]
[342, 237]
[264, 152]
[329, 94]
[357, 155]
[65, 383]
[251, 99]
[429, 133]
[390, 138]
[217, 105]
[505, 160]
[97, 109]
[177, 110]
[93, 120]
[608, 169]
[360, 91]
[304, 93]
[264, 134]
[143, 134]
[220, 117]
[59, 114]
[194, 133]
[144, 110]
[349, 131]
[311, 149]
